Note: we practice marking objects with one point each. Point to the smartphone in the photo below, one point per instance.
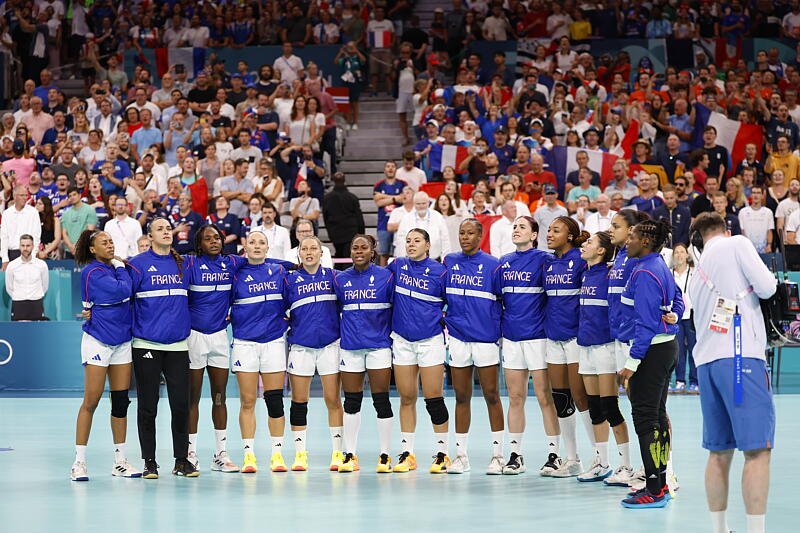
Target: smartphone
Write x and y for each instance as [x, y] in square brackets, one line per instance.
[479, 149]
[251, 159]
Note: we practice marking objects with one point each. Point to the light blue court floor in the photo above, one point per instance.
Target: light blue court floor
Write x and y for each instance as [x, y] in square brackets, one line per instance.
[36, 494]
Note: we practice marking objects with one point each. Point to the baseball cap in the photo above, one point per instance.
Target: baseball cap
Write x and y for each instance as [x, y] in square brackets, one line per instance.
[502, 130]
[19, 146]
[534, 121]
[432, 122]
[236, 75]
[438, 93]
[251, 86]
[589, 130]
[549, 188]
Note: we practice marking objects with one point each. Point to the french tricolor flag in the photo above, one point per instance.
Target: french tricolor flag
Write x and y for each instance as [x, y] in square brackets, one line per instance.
[380, 39]
[302, 174]
[561, 161]
[731, 134]
[447, 155]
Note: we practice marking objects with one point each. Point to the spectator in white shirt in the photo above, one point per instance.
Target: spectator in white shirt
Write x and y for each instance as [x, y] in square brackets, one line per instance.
[26, 282]
[124, 230]
[289, 65]
[196, 34]
[431, 221]
[412, 175]
[303, 229]
[788, 205]
[277, 236]
[18, 220]
[600, 220]
[500, 242]
[756, 222]
[397, 214]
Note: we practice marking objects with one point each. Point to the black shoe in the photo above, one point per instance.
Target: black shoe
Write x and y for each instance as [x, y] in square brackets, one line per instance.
[150, 469]
[184, 468]
[553, 463]
[515, 465]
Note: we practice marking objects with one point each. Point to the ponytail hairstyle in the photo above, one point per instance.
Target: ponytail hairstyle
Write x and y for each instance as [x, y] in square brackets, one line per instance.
[175, 255]
[633, 217]
[534, 228]
[475, 221]
[604, 238]
[658, 231]
[425, 234]
[198, 238]
[578, 237]
[373, 244]
[83, 255]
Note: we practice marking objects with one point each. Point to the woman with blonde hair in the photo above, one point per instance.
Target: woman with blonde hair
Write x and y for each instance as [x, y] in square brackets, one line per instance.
[734, 191]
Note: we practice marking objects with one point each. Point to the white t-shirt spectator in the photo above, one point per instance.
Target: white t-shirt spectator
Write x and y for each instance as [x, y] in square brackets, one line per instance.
[326, 33]
[289, 67]
[174, 37]
[791, 24]
[496, 28]
[197, 37]
[755, 224]
[252, 154]
[151, 106]
[396, 217]
[382, 25]
[561, 31]
[792, 222]
[500, 242]
[90, 156]
[565, 61]
[414, 177]
[124, 233]
[27, 280]
[597, 222]
[522, 209]
[544, 216]
[278, 241]
[786, 207]
[433, 223]
[17, 223]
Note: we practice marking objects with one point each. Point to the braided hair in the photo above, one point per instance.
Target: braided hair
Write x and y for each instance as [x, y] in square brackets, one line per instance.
[574, 230]
[658, 231]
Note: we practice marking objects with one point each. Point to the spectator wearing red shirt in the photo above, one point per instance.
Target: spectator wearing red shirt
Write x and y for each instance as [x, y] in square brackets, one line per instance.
[537, 178]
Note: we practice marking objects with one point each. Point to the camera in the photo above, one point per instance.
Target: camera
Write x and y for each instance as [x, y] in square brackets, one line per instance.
[96, 172]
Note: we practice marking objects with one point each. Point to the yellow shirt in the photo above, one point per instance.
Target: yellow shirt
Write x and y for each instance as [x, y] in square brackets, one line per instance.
[789, 163]
[580, 30]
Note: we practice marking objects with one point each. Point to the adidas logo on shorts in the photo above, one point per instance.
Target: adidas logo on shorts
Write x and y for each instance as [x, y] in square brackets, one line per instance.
[291, 365]
[342, 363]
[96, 358]
[148, 355]
[152, 269]
[237, 363]
[248, 278]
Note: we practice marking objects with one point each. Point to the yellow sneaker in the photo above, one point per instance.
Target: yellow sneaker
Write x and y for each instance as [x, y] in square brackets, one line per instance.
[300, 462]
[276, 464]
[350, 463]
[250, 466]
[405, 463]
[440, 464]
[337, 458]
[384, 464]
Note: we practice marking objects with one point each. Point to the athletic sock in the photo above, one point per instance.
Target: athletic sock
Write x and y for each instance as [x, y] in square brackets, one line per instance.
[385, 433]
[336, 438]
[515, 440]
[277, 444]
[553, 444]
[756, 523]
[443, 443]
[570, 438]
[461, 444]
[80, 453]
[299, 440]
[602, 452]
[497, 443]
[249, 446]
[119, 452]
[192, 442]
[624, 450]
[221, 438]
[587, 425]
[719, 522]
[352, 424]
[407, 442]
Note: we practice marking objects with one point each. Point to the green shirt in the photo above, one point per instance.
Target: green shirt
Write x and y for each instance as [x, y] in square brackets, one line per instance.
[75, 220]
[576, 192]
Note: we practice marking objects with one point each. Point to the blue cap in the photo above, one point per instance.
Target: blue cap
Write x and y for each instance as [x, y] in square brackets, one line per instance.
[19, 146]
[549, 188]
[237, 75]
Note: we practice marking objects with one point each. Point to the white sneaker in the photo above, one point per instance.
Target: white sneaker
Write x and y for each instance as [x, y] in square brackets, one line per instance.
[354, 127]
[223, 463]
[515, 465]
[347, 127]
[495, 467]
[596, 472]
[638, 480]
[553, 463]
[459, 465]
[79, 472]
[620, 478]
[672, 481]
[125, 469]
[193, 459]
[570, 468]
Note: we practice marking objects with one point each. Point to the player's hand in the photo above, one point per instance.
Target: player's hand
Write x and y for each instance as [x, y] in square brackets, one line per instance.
[625, 375]
[671, 318]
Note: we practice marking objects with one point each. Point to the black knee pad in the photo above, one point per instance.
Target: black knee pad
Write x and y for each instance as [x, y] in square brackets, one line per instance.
[119, 403]
[298, 414]
[565, 405]
[596, 412]
[380, 400]
[352, 402]
[611, 409]
[437, 410]
[274, 400]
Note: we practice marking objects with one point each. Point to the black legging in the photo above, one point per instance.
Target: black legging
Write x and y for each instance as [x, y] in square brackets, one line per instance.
[148, 365]
[647, 391]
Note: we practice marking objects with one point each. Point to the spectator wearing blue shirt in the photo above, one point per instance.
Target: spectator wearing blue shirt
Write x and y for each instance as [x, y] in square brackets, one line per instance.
[59, 125]
[146, 136]
[501, 149]
[779, 123]
[45, 77]
[678, 216]
[121, 171]
[647, 200]
[388, 196]
[228, 223]
[296, 156]
[659, 26]
[680, 123]
[734, 25]
[242, 30]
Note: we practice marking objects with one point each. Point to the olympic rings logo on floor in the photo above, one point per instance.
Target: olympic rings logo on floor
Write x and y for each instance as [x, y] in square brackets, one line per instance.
[10, 352]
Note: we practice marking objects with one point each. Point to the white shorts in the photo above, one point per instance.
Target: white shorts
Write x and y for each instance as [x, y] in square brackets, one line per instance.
[462, 354]
[94, 352]
[303, 361]
[209, 350]
[562, 352]
[524, 355]
[262, 357]
[404, 103]
[598, 359]
[426, 352]
[363, 360]
[621, 352]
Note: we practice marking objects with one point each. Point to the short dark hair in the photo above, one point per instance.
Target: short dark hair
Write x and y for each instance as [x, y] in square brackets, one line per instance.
[709, 222]
[269, 205]
[71, 189]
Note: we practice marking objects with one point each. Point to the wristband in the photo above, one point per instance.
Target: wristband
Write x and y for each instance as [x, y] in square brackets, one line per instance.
[632, 364]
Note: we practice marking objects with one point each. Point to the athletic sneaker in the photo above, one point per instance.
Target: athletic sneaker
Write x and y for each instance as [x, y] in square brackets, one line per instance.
[515, 465]
[384, 464]
[79, 472]
[596, 472]
[124, 469]
[459, 465]
[405, 462]
[276, 464]
[250, 465]
[646, 500]
[693, 389]
[495, 467]
[553, 463]
[355, 127]
[638, 480]
[184, 468]
[337, 458]
[300, 462]
[150, 469]
[192, 458]
[678, 388]
[223, 463]
[350, 463]
[570, 468]
[665, 490]
[620, 478]
[441, 464]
